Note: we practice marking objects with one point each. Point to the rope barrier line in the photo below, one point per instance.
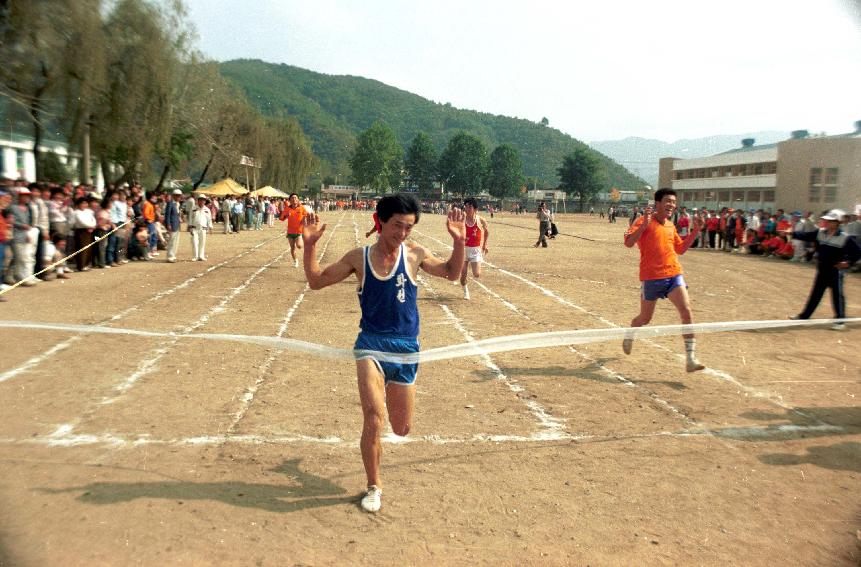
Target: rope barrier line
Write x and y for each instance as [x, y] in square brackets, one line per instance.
[477, 348]
[63, 260]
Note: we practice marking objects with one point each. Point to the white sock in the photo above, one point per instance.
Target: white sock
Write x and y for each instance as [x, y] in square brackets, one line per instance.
[690, 345]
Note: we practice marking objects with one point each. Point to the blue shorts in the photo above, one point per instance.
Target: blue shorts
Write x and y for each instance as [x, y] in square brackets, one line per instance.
[404, 374]
[652, 290]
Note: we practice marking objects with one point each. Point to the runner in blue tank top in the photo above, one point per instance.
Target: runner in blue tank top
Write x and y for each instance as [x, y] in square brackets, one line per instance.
[387, 273]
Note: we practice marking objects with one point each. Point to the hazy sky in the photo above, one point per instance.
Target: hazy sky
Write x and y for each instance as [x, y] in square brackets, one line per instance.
[597, 70]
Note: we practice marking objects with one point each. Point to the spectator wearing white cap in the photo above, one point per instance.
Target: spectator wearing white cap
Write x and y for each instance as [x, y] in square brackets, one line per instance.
[836, 251]
[172, 223]
[199, 222]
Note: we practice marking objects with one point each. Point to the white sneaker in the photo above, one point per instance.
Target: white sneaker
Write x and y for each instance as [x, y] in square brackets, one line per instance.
[465, 292]
[296, 263]
[838, 326]
[371, 502]
[627, 345]
[693, 365]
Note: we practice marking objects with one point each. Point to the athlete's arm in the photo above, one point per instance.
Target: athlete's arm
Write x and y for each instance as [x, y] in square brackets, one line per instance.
[333, 273]
[692, 235]
[484, 235]
[633, 237]
[450, 269]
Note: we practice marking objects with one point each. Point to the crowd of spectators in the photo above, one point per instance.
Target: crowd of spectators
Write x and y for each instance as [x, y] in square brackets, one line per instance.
[43, 223]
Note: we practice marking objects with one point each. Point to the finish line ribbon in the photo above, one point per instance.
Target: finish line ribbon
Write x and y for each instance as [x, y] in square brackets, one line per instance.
[472, 348]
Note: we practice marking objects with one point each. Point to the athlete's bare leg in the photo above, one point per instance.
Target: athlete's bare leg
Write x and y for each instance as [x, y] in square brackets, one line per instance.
[376, 398]
[647, 310]
[679, 298]
[476, 269]
[373, 397]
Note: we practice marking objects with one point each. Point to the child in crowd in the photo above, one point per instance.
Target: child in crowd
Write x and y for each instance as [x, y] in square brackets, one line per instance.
[751, 243]
[138, 242]
[54, 251]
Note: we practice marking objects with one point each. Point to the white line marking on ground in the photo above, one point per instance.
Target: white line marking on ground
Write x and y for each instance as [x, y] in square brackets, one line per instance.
[38, 359]
[63, 437]
[248, 396]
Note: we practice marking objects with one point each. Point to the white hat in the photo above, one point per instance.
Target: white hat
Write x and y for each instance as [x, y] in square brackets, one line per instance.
[23, 191]
[177, 191]
[833, 214]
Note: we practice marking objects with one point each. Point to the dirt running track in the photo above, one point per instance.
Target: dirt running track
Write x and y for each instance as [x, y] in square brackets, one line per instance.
[121, 450]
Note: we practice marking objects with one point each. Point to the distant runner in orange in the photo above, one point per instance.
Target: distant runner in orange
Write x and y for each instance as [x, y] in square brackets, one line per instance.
[294, 213]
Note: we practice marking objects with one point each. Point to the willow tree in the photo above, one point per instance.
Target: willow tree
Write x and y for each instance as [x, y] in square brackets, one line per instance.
[133, 117]
[33, 39]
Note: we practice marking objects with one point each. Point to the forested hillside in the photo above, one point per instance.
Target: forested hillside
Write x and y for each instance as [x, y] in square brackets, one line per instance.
[334, 109]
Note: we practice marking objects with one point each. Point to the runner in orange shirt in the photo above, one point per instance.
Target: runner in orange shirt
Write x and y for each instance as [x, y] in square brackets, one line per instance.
[294, 213]
[660, 271]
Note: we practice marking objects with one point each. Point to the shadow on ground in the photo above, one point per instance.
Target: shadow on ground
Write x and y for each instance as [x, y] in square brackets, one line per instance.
[304, 491]
[840, 456]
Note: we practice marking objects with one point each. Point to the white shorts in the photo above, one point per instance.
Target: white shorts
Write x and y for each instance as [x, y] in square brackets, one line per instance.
[473, 254]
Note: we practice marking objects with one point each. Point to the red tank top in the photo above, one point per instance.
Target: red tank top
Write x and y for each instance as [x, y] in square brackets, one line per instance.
[473, 234]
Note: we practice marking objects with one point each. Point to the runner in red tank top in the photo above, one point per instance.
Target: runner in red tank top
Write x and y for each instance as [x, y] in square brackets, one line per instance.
[476, 243]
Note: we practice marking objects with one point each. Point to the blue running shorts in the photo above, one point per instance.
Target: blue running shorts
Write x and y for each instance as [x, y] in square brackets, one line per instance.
[653, 290]
[404, 374]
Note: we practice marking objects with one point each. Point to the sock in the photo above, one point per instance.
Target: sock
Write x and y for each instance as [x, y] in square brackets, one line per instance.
[690, 345]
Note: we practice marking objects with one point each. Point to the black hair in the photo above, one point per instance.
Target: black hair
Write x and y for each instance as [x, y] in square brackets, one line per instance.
[291, 196]
[470, 201]
[397, 205]
[57, 238]
[661, 193]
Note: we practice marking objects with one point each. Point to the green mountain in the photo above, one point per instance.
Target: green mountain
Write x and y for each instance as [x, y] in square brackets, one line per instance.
[334, 109]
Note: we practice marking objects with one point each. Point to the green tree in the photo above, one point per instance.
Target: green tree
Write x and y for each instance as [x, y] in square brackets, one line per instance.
[463, 165]
[51, 167]
[420, 163]
[581, 175]
[376, 160]
[506, 172]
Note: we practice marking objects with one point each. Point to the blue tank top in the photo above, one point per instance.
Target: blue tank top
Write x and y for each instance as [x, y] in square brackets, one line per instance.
[389, 304]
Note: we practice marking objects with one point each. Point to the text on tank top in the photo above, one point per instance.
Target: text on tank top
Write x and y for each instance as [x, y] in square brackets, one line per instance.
[388, 303]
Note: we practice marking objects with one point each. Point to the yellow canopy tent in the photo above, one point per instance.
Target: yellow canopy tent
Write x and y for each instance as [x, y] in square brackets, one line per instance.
[269, 191]
[223, 188]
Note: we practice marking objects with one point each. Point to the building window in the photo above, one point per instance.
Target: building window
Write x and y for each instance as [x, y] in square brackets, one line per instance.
[753, 196]
[19, 161]
[817, 181]
[738, 196]
[710, 195]
[829, 181]
[723, 196]
[768, 196]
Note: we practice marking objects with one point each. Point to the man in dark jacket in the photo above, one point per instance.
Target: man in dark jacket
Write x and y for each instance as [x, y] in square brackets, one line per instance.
[836, 251]
[172, 222]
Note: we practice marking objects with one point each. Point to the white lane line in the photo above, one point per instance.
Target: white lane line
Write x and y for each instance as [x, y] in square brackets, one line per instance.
[552, 427]
[156, 355]
[63, 437]
[62, 345]
[248, 396]
[147, 365]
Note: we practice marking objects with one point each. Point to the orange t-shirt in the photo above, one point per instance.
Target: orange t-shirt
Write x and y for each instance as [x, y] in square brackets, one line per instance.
[294, 219]
[148, 211]
[658, 245]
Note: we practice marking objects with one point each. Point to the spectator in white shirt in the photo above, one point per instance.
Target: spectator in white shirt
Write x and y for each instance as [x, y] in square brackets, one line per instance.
[199, 222]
